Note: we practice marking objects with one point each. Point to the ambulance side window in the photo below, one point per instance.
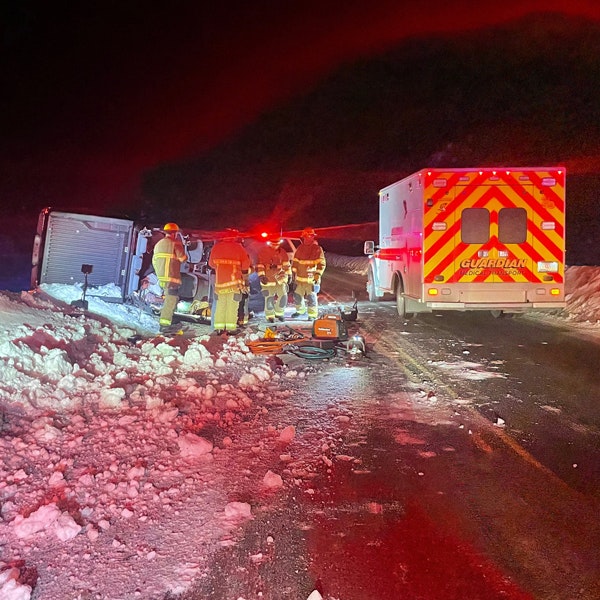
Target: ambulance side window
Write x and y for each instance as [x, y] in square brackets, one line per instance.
[512, 225]
[475, 226]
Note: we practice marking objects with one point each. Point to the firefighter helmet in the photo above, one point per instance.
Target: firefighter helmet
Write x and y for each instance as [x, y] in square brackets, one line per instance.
[171, 228]
[274, 240]
[308, 232]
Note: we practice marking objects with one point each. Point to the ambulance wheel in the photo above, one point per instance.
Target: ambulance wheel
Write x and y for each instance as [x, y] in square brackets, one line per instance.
[497, 314]
[371, 286]
[401, 303]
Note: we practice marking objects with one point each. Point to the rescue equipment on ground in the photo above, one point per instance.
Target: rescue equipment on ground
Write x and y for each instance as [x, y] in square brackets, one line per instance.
[270, 333]
[311, 352]
[274, 340]
[83, 303]
[356, 347]
[330, 326]
[286, 340]
[350, 313]
[201, 308]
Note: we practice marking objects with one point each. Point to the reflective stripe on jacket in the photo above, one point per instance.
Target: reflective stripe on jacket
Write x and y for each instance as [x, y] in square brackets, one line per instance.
[231, 263]
[168, 255]
[272, 262]
[308, 260]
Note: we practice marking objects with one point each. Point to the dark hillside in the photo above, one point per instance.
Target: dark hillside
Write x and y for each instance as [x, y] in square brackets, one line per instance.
[526, 93]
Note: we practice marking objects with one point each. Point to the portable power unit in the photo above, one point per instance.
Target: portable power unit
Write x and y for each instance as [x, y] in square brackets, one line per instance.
[330, 327]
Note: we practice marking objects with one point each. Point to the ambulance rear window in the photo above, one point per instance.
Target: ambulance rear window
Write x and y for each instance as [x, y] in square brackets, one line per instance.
[475, 226]
[512, 225]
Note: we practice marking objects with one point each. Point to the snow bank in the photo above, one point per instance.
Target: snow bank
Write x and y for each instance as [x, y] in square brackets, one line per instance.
[350, 264]
[583, 300]
[105, 441]
[58, 361]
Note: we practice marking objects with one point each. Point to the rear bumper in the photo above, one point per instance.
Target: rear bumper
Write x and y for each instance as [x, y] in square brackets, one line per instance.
[506, 306]
[494, 296]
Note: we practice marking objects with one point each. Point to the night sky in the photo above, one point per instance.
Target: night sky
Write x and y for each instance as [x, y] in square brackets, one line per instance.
[101, 99]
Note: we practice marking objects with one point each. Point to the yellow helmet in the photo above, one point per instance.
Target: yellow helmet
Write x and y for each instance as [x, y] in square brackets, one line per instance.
[171, 228]
[308, 232]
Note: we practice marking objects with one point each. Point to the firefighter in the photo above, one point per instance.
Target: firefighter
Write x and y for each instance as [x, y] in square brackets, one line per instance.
[169, 254]
[273, 269]
[231, 264]
[308, 266]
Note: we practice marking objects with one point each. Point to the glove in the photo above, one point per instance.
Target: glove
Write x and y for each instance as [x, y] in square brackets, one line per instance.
[264, 279]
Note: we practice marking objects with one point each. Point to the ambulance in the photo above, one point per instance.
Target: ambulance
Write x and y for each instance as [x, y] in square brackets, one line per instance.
[471, 239]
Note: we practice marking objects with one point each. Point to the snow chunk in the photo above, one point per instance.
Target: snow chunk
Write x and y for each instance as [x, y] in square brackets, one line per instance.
[257, 374]
[46, 517]
[112, 397]
[136, 472]
[209, 392]
[56, 479]
[37, 521]
[65, 527]
[248, 380]
[262, 372]
[287, 434]
[237, 511]
[193, 446]
[55, 363]
[167, 415]
[197, 357]
[47, 433]
[10, 588]
[272, 480]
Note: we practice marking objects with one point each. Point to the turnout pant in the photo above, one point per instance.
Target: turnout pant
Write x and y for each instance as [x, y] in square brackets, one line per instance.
[243, 311]
[170, 304]
[275, 299]
[305, 299]
[226, 311]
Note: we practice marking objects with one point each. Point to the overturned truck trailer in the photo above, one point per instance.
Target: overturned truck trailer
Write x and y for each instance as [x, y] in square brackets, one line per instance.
[64, 242]
[71, 248]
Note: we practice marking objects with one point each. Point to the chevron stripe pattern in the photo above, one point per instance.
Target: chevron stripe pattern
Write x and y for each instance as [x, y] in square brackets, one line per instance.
[510, 243]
